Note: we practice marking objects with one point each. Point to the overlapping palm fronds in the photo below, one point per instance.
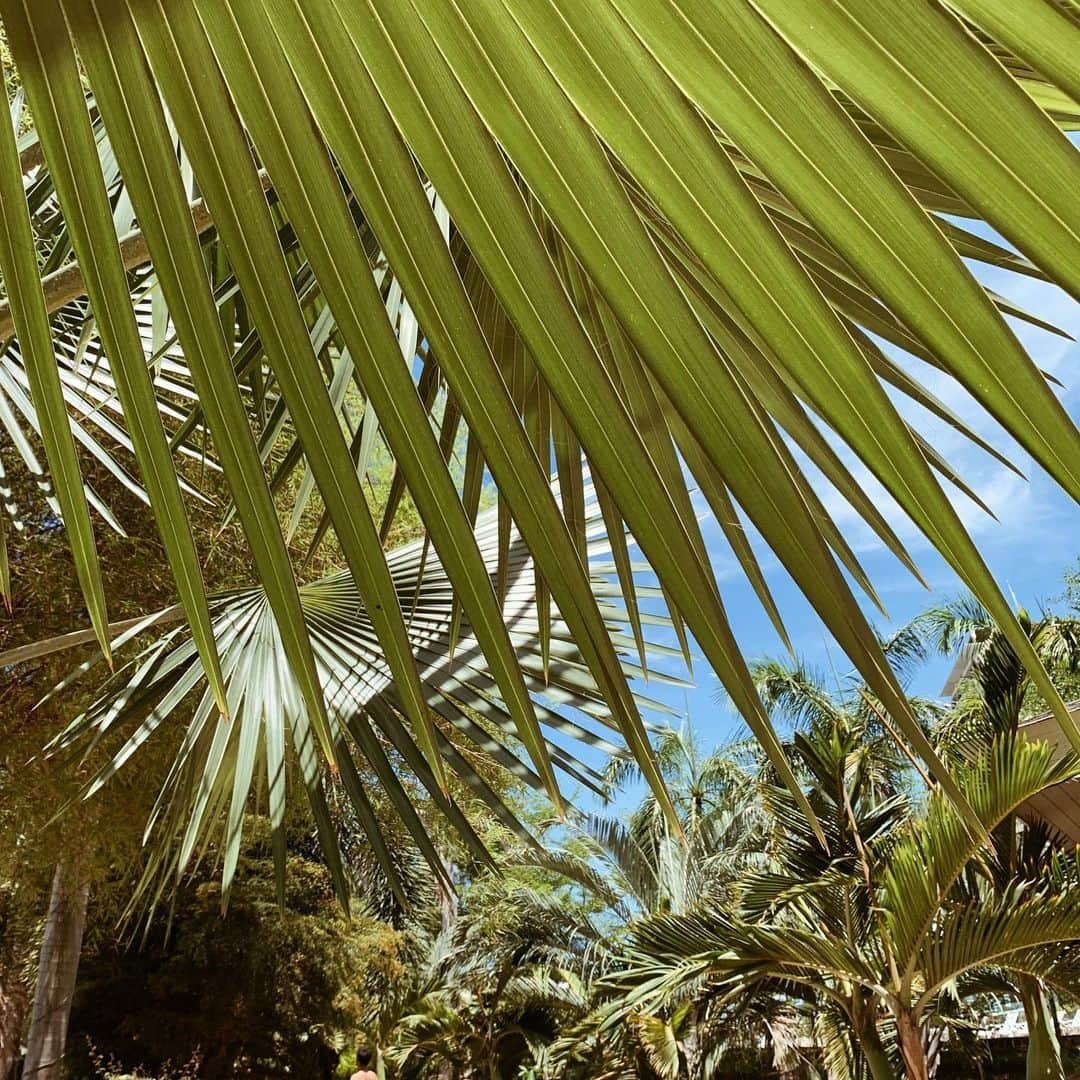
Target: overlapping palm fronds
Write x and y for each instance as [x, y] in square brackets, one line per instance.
[633, 233]
[493, 987]
[994, 693]
[992, 698]
[225, 757]
[886, 922]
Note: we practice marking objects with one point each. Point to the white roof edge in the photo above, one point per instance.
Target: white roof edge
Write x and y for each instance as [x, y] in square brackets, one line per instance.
[1043, 717]
[961, 666]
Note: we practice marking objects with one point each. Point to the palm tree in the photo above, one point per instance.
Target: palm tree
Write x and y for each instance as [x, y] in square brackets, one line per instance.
[606, 236]
[801, 700]
[520, 964]
[721, 826]
[995, 694]
[884, 922]
[855, 783]
[991, 701]
[849, 754]
[628, 869]
[492, 990]
[622, 235]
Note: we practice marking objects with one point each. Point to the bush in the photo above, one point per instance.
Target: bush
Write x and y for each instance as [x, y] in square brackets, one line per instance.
[257, 993]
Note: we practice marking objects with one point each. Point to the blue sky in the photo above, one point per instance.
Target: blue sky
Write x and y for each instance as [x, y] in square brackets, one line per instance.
[1036, 536]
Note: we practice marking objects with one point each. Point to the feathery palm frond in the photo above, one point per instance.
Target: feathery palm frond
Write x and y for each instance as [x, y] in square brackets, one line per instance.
[893, 928]
[793, 693]
[926, 865]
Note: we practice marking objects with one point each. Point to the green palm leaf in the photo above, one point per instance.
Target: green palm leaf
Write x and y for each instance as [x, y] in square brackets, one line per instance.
[209, 786]
[586, 234]
[925, 866]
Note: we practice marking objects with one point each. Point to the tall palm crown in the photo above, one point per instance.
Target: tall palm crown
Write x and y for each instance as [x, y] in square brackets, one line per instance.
[995, 694]
[620, 870]
[991, 700]
[721, 829]
[879, 927]
[621, 234]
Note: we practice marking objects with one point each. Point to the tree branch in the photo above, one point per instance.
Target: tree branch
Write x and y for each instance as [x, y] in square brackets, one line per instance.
[67, 284]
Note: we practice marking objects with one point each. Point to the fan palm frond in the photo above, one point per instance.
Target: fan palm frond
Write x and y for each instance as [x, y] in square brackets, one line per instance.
[225, 756]
[608, 241]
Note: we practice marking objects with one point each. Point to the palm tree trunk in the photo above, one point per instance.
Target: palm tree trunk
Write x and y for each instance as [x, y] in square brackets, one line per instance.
[877, 1059]
[58, 965]
[13, 1002]
[911, 1046]
[1044, 1048]
[862, 1014]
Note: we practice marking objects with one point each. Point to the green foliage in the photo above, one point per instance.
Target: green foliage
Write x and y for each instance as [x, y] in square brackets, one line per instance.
[35, 831]
[755, 947]
[888, 919]
[621, 949]
[574, 233]
[261, 992]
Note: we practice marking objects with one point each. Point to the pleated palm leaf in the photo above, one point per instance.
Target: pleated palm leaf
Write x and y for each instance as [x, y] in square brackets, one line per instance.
[225, 757]
[887, 931]
[87, 389]
[637, 233]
